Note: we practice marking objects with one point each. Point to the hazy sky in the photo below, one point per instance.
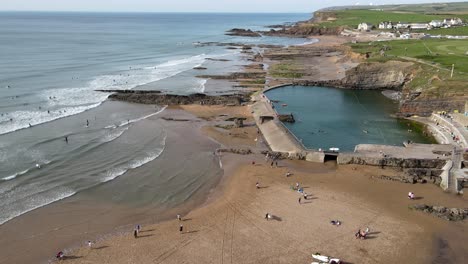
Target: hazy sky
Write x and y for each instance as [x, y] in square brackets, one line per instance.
[302, 6]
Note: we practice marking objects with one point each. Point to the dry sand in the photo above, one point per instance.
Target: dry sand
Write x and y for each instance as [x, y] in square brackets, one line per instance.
[230, 227]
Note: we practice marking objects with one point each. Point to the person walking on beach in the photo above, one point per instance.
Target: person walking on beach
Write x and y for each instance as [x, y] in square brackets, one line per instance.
[181, 229]
[135, 233]
[267, 216]
[87, 122]
[179, 218]
[257, 185]
[299, 200]
[138, 228]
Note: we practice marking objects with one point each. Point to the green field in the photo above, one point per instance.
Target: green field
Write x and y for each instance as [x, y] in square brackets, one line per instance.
[440, 52]
[434, 59]
[428, 8]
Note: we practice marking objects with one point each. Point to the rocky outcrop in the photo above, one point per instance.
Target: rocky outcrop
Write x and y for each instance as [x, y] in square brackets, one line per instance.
[289, 118]
[425, 107]
[390, 75]
[236, 151]
[235, 76]
[449, 214]
[406, 177]
[304, 30]
[156, 97]
[405, 163]
[242, 32]
[285, 155]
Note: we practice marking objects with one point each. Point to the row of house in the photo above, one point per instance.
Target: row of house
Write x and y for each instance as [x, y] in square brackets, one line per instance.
[448, 22]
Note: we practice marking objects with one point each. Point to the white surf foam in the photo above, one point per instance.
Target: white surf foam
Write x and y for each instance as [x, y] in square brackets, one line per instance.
[22, 119]
[11, 177]
[33, 202]
[114, 135]
[70, 101]
[144, 117]
[309, 41]
[119, 171]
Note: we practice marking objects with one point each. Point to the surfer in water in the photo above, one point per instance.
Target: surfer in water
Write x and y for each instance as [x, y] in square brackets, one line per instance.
[87, 123]
[66, 139]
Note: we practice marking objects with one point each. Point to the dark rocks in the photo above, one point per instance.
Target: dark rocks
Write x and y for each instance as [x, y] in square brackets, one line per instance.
[284, 155]
[404, 163]
[148, 97]
[175, 119]
[406, 177]
[302, 30]
[235, 76]
[211, 59]
[449, 214]
[289, 118]
[242, 32]
[425, 106]
[236, 151]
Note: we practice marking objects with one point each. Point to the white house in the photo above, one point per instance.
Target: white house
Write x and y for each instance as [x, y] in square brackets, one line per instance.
[365, 27]
[419, 26]
[436, 23]
[386, 25]
[405, 36]
[453, 21]
[402, 25]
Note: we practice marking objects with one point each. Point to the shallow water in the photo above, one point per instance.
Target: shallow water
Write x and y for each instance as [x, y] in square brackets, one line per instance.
[330, 117]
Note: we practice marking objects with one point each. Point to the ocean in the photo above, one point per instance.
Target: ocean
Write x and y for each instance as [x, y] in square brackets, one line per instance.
[59, 137]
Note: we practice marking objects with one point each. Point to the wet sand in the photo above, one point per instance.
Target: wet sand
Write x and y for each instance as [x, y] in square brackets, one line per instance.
[230, 227]
[148, 194]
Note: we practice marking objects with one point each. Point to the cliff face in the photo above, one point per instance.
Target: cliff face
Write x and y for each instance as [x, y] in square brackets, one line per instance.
[425, 106]
[304, 30]
[390, 75]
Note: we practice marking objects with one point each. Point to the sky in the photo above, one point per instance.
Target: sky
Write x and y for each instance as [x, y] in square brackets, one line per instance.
[276, 6]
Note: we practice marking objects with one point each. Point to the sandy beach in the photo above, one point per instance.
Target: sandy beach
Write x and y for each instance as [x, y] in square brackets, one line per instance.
[231, 226]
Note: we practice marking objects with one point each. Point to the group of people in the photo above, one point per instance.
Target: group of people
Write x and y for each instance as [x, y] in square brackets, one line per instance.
[136, 231]
[273, 158]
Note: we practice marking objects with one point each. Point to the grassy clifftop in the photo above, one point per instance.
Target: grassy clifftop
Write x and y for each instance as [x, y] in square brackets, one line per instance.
[429, 8]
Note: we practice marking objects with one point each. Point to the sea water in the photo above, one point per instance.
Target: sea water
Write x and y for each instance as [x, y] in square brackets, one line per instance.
[58, 138]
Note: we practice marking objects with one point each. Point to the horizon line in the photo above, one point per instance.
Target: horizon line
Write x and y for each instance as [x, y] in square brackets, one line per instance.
[157, 12]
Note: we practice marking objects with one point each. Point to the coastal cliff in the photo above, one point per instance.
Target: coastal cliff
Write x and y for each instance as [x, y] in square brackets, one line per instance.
[390, 75]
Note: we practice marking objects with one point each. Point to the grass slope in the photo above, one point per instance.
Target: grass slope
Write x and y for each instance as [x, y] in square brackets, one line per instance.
[434, 59]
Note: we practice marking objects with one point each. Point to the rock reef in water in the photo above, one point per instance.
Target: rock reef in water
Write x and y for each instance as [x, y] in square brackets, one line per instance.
[242, 32]
[156, 97]
[289, 118]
